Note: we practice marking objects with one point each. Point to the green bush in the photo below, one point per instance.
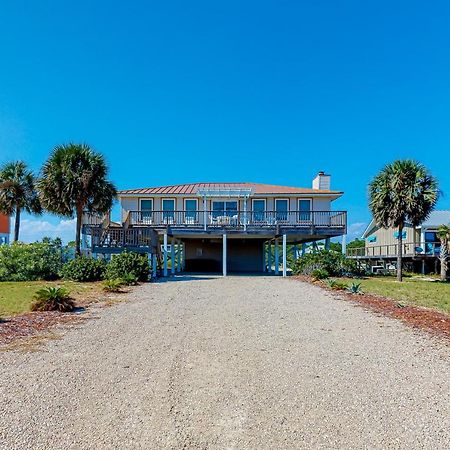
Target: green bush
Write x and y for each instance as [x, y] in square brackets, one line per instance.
[128, 263]
[84, 269]
[336, 285]
[113, 285]
[30, 262]
[52, 299]
[320, 274]
[129, 279]
[336, 264]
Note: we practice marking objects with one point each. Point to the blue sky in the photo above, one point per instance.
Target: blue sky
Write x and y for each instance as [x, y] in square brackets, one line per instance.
[265, 91]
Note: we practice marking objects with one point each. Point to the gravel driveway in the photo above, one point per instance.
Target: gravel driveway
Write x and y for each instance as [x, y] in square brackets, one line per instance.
[229, 363]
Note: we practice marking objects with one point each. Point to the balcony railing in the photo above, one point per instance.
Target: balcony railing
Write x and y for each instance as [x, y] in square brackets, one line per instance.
[238, 219]
[391, 250]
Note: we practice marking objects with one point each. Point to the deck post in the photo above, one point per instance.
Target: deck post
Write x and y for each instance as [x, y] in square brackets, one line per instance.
[277, 257]
[264, 257]
[303, 249]
[284, 255]
[204, 212]
[245, 213]
[179, 247]
[327, 244]
[173, 262]
[149, 259]
[344, 245]
[154, 264]
[165, 254]
[224, 255]
[269, 257]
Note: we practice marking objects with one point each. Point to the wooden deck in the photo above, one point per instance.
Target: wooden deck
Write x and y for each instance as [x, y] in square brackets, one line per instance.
[390, 251]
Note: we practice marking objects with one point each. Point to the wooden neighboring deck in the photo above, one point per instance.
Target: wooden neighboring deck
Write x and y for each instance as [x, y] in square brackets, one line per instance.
[390, 251]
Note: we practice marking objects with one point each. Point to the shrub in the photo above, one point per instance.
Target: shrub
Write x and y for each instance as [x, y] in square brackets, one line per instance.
[336, 285]
[31, 262]
[52, 299]
[320, 274]
[113, 285]
[129, 279]
[336, 264]
[128, 263]
[355, 288]
[84, 269]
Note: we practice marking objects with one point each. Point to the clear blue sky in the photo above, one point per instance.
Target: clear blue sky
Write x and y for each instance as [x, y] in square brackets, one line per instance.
[266, 91]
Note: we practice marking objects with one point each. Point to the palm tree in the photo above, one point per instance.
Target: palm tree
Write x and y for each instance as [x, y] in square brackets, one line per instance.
[74, 180]
[404, 191]
[443, 234]
[18, 192]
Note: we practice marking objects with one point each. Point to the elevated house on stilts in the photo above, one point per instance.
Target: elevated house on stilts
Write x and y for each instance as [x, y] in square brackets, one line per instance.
[218, 227]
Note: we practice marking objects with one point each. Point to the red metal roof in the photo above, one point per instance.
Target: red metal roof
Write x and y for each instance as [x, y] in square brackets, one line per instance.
[257, 188]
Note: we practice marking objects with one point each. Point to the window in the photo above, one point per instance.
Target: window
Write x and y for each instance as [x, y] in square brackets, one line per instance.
[304, 209]
[259, 208]
[224, 209]
[281, 208]
[168, 207]
[397, 234]
[190, 208]
[146, 209]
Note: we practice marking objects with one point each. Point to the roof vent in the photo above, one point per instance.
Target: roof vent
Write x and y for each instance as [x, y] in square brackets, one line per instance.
[322, 181]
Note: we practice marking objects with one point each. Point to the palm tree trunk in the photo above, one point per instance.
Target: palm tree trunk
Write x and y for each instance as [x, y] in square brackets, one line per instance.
[17, 225]
[78, 232]
[444, 259]
[400, 253]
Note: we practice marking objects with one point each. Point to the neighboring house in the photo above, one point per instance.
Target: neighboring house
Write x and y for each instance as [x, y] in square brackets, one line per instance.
[4, 229]
[421, 245]
[226, 227]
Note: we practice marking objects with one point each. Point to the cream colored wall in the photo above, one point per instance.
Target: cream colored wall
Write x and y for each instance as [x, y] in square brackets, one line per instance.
[132, 203]
[386, 236]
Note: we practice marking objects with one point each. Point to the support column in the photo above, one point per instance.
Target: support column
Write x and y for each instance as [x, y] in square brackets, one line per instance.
[284, 255]
[277, 257]
[204, 213]
[179, 247]
[165, 271]
[224, 255]
[149, 259]
[344, 245]
[327, 244]
[269, 257]
[303, 249]
[172, 257]
[154, 264]
[264, 257]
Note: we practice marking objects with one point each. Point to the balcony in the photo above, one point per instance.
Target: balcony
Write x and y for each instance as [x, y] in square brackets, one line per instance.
[409, 250]
[208, 220]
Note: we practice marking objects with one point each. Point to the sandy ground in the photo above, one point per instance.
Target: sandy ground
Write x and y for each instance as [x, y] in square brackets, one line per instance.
[229, 363]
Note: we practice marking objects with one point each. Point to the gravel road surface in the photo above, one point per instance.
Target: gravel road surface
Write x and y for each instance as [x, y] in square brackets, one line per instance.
[228, 363]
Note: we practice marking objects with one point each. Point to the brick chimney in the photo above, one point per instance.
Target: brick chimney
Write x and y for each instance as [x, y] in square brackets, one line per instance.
[322, 181]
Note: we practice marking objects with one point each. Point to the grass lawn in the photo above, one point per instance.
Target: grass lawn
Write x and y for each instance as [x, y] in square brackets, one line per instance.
[16, 297]
[412, 291]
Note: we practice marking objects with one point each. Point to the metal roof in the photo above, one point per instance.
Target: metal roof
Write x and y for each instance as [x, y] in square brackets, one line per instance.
[437, 218]
[256, 188]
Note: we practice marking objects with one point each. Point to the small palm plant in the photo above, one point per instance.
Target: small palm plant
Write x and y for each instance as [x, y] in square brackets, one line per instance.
[52, 298]
[113, 285]
[402, 192]
[443, 234]
[355, 288]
